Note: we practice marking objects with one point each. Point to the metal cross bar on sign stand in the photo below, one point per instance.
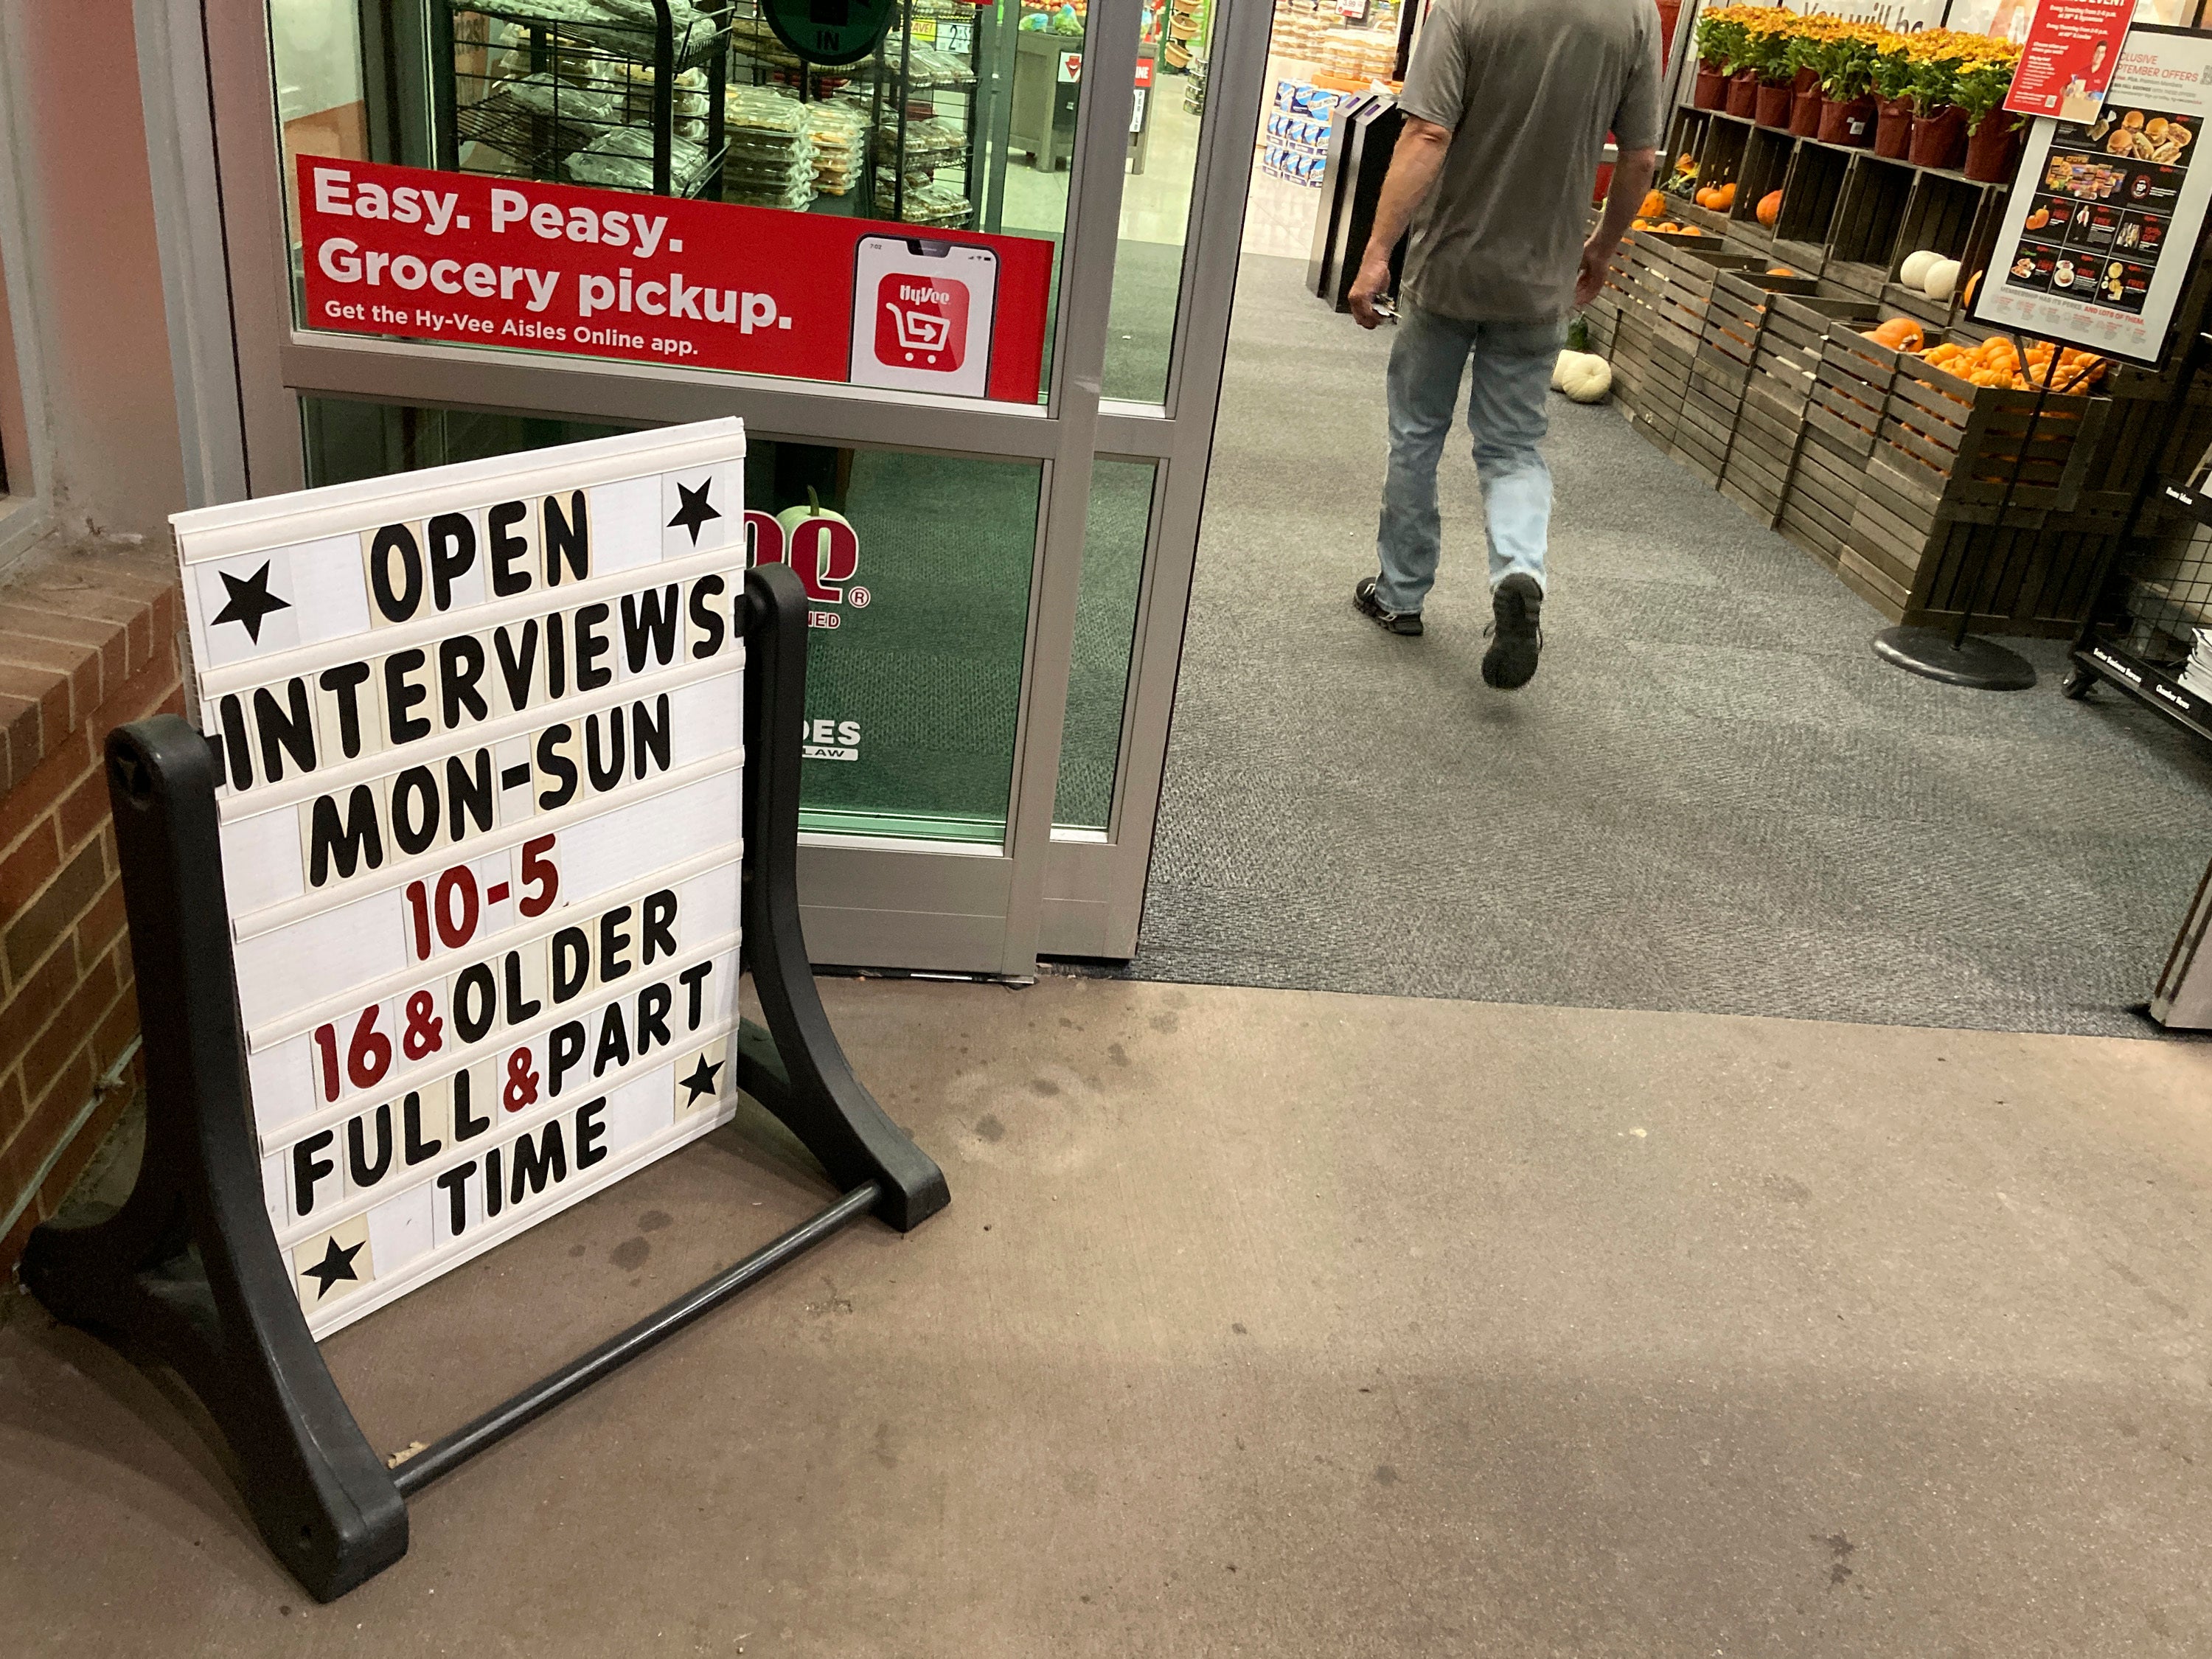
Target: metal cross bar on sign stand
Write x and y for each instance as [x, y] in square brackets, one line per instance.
[222, 1261]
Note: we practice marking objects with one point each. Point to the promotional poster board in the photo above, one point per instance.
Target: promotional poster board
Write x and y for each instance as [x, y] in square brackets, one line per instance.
[470, 260]
[2101, 228]
[2072, 50]
[482, 748]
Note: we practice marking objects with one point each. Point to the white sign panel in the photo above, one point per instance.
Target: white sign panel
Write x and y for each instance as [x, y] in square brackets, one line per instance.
[2100, 235]
[481, 732]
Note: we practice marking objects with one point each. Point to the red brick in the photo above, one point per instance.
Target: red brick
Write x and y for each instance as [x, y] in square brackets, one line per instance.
[46, 786]
[30, 866]
[101, 927]
[65, 1046]
[49, 689]
[115, 1029]
[142, 694]
[76, 664]
[84, 808]
[69, 895]
[34, 1002]
[21, 720]
[12, 1106]
[110, 639]
[20, 1158]
[69, 1167]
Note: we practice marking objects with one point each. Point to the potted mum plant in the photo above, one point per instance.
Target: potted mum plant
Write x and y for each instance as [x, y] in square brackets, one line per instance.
[1766, 49]
[1939, 127]
[1846, 66]
[1720, 43]
[1807, 40]
[1892, 75]
[1984, 75]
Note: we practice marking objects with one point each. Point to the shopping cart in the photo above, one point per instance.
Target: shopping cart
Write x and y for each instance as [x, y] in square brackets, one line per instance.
[925, 332]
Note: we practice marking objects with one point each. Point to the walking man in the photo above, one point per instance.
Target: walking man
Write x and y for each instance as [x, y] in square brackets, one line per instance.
[1506, 106]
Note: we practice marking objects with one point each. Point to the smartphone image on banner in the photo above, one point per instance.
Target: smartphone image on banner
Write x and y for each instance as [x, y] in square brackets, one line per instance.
[922, 314]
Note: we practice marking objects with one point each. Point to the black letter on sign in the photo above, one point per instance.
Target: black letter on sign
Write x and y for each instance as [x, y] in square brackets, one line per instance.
[344, 683]
[568, 538]
[396, 606]
[400, 695]
[705, 618]
[607, 776]
[591, 644]
[452, 553]
[518, 1007]
[495, 1194]
[562, 1050]
[505, 548]
[650, 737]
[614, 944]
[359, 842]
[287, 728]
[366, 1174]
[518, 668]
[551, 763]
[476, 1001]
[694, 980]
[614, 1041]
[590, 1129]
[466, 1128]
[460, 666]
[469, 794]
[652, 1006]
[417, 1148]
[238, 742]
[309, 1166]
[535, 1165]
[415, 810]
[572, 963]
[455, 1181]
[657, 928]
[649, 627]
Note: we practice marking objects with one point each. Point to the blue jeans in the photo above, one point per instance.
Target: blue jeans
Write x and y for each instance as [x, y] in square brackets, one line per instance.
[1505, 411]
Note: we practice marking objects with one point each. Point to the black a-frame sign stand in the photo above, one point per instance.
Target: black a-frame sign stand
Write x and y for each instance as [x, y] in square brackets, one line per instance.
[187, 1272]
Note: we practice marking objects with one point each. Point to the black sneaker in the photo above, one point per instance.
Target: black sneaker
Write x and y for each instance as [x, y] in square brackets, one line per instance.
[1390, 621]
[1516, 640]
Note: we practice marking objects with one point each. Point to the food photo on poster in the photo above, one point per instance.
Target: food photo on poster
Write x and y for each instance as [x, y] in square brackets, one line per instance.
[419, 254]
[2098, 235]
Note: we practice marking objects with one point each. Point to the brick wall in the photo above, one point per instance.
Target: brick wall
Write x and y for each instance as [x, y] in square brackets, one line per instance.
[87, 641]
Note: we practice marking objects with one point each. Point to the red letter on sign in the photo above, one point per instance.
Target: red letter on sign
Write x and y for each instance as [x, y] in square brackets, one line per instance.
[824, 550]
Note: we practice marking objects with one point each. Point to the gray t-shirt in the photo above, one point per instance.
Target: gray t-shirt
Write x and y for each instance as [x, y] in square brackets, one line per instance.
[1528, 88]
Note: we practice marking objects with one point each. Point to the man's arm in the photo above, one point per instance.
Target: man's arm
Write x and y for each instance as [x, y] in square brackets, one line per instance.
[1414, 164]
[1631, 177]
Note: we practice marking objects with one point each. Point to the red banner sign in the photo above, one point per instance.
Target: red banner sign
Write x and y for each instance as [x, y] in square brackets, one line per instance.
[2072, 49]
[602, 273]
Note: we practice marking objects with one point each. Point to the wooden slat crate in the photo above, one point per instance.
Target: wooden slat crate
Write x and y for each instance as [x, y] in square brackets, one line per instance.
[1761, 457]
[1823, 493]
[1851, 391]
[1954, 445]
[1787, 357]
[1735, 315]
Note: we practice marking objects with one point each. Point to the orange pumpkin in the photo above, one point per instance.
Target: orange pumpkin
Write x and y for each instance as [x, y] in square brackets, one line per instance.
[1724, 197]
[1654, 205]
[1966, 300]
[1898, 334]
[1780, 271]
[1769, 207]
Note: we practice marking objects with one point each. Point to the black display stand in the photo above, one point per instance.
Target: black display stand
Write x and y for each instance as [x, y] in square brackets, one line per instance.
[188, 1273]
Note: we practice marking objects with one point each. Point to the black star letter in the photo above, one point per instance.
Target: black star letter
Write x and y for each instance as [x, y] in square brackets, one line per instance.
[701, 1082]
[694, 512]
[249, 600]
[335, 1264]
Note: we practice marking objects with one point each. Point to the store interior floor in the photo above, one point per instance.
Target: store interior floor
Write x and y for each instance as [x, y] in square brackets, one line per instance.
[1277, 1323]
[1713, 796]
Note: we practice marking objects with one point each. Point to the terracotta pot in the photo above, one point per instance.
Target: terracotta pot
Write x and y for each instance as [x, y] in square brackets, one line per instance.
[1848, 121]
[1893, 130]
[1743, 93]
[1712, 88]
[1939, 137]
[1773, 109]
[1993, 148]
[1804, 113]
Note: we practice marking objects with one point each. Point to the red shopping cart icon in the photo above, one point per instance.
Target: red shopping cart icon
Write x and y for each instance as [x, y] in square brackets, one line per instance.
[922, 322]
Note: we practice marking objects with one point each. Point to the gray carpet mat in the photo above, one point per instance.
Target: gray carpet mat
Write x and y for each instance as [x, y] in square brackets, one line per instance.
[1713, 796]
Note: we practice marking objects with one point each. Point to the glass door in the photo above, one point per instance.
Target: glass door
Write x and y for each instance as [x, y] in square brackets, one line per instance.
[939, 520]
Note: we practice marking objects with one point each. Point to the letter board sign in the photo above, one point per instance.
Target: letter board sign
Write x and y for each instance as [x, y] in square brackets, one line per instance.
[480, 737]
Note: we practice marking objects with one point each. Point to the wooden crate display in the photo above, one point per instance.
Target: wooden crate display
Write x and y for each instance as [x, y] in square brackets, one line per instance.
[1673, 279]
[2010, 579]
[1851, 391]
[1786, 362]
[1955, 445]
[1822, 493]
[1735, 313]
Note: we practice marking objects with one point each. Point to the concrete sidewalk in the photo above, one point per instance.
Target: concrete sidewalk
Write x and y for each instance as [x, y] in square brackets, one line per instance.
[1279, 1323]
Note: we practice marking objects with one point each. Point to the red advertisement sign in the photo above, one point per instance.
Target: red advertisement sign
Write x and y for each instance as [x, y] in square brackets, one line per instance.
[605, 273]
[2066, 65]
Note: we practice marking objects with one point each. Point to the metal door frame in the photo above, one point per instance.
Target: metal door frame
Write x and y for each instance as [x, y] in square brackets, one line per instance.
[243, 366]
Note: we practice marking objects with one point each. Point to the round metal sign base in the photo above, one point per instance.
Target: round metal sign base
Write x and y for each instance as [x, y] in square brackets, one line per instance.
[1978, 664]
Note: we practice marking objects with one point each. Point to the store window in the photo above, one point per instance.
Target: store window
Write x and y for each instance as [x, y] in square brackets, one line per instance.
[1164, 121]
[1117, 524]
[955, 117]
[918, 568]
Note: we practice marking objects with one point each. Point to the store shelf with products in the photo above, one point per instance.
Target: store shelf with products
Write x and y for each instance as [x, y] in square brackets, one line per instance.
[616, 94]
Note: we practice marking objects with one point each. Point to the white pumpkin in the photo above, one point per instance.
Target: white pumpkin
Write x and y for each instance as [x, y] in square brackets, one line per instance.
[1914, 271]
[1582, 375]
[1942, 279]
